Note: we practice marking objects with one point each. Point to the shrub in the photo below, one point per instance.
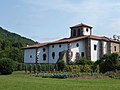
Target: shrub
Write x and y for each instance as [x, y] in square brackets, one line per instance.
[85, 68]
[72, 63]
[20, 66]
[61, 65]
[52, 68]
[43, 67]
[110, 74]
[75, 69]
[68, 68]
[39, 68]
[95, 68]
[84, 61]
[30, 68]
[108, 62]
[34, 68]
[56, 67]
[6, 66]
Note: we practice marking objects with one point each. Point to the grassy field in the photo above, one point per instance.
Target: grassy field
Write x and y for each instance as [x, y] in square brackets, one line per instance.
[21, 81]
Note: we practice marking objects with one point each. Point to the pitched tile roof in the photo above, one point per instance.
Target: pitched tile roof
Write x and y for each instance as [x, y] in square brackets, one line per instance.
[81, 25]
[68, 40]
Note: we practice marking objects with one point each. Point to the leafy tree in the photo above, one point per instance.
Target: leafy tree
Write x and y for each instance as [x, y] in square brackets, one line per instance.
[83, 61]
[61, 65]
[13, 53]
[11, 44]
[108, 62]
[6, 66]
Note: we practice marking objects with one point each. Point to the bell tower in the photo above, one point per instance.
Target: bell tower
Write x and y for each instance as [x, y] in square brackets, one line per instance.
[80, 30]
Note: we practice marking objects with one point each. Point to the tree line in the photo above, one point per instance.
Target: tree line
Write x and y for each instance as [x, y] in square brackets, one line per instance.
[11, 45]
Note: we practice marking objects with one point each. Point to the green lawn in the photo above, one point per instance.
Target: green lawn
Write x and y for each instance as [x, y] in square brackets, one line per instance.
[20, 81]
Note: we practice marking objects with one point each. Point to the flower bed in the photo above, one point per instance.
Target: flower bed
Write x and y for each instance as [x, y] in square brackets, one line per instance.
[56, 75]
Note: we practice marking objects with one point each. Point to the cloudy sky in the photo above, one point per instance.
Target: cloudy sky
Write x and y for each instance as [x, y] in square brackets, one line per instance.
[48, 20]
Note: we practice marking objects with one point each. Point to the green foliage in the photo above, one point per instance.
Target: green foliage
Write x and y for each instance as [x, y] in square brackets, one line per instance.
[109, 62]
[75, 68]
[34, 68]
[78, 68]
[72, 63]
[20, 66]
[30, 68]
[13, 53]
[113, 74]
[39, 68]
[68, 68]
[84, 61]
[85, 68]
[95, 68]
[11, 44]
[61, 65]
[6, 66]
[56, 67]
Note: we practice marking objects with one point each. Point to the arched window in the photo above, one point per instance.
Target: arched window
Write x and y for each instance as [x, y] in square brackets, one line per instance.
[52, 46]
[77, 45]
[95, 47]
[114, 48]
[53, 55]
[43, 49]
[86, 29]
[60, 45]
[60, 54]
[44, 57]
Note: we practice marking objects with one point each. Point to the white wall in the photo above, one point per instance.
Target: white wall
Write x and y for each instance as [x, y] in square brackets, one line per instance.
[27, 54]
[85, 32]
[56, 49]
[94, 53]
[41, 52]
[76, 49]
[48, 51]
[105, 49]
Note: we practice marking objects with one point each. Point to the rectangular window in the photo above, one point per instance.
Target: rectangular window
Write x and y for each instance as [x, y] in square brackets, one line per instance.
[114, 48]
[82, 54]
[74, 33]
[95, 47]
[78, 32]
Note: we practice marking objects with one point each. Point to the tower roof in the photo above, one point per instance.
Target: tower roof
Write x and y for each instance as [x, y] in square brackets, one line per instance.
[80, 25]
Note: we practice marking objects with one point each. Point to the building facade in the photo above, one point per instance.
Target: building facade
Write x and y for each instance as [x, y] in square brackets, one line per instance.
[81, 43]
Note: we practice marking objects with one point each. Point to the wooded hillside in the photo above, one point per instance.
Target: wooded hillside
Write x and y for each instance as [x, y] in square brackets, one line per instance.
[11, 44]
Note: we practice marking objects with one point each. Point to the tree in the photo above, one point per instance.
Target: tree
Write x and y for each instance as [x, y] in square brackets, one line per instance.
[12, 53]
[61, 65]
[84, 61]
[108, 62]
[6, 66]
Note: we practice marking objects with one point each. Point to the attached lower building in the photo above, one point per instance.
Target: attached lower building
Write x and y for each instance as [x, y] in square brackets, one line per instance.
[81, 43]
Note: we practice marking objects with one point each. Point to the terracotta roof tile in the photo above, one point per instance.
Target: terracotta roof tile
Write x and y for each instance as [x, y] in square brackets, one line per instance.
[68, 40]
[81, 25]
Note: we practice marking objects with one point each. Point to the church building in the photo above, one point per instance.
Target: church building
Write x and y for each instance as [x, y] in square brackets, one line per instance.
[81, 43]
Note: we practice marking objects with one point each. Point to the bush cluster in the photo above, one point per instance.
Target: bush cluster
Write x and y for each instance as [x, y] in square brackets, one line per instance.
[37, 68]
[113, 74]
[109, 62]
[78, 68]
[6, 66]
